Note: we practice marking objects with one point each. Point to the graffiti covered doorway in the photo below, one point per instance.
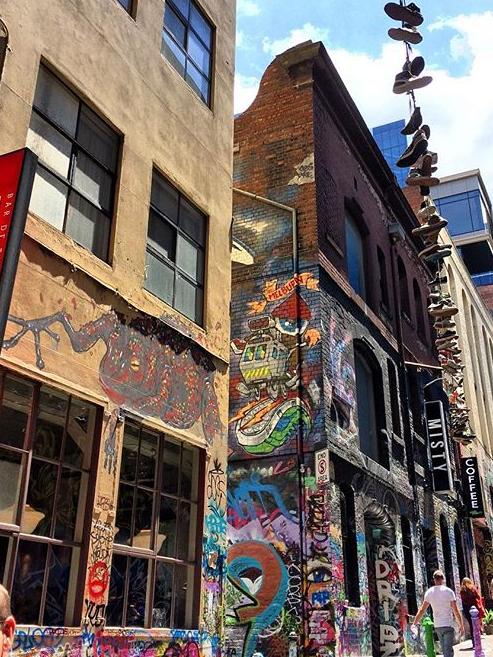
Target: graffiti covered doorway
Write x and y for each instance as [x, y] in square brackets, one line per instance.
[384, 586]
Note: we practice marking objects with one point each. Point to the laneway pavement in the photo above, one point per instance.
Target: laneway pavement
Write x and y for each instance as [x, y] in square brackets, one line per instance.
[465, 649]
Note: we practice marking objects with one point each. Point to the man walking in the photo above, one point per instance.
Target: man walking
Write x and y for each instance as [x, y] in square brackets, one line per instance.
[444, 605]
[7, 623]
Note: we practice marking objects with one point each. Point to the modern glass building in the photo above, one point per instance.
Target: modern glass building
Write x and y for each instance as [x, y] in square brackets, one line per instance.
[392, 144]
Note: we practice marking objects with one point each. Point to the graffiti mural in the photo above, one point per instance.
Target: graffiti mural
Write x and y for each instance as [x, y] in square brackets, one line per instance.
[269, 409]
[392, 611]
[147, 367]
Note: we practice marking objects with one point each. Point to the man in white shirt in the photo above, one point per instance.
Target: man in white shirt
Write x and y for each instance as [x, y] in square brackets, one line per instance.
[444, 605]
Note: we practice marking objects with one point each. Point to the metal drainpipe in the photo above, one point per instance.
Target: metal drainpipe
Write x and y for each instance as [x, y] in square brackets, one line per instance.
[299, 436]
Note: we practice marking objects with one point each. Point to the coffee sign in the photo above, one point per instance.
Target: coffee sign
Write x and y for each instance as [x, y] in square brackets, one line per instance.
[471, 482]
[438, 445]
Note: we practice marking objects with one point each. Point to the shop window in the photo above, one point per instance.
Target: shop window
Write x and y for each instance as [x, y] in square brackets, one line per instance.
[355, 260]
[74, 187]
[156, 557]
[403, 289]
[371, 411]
[349, 546]
[418, 305]
[384, 287]
[175, 261]
[187, 44]
[407, 547]
[47, 439]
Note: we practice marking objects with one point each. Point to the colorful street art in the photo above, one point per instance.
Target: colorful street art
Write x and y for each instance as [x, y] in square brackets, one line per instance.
[270, 408]
[147, 367]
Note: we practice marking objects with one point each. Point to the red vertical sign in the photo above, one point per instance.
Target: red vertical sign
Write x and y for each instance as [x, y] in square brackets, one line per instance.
[10, 173]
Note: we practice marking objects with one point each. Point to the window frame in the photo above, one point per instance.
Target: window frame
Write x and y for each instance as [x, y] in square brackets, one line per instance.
[130, 10]
[150, 554]
[188, 58]
[405, 301]
[420, 317]
[172, 264]
[13, 531]
[75, 148]
[351, 226]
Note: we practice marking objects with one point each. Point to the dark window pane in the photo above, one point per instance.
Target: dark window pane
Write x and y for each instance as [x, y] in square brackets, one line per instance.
[15, 408]
[28, 581]
[171, 467]
[124, 514]
[161, 236]
[87, 226]
[199, 53]
[137, 592]
[98, 138]
[190, 259]
[164, 197]
[189, 473]
[173, 54]
[147, 459]
[175, 25]
[126, 4]
[80, 433]
[183, 596]
[5, 556]
[114, 610]
[50, 423]
[192, 221]
[143, 520]
[184, 522]
[161, 612]
[93, 182]
[10, 476]
[160, 278]
[166, 538]
[67, 504]
[365, 394]
[58, 582]
[355, 257]
[201, 26]
[130, 453]
[197, 81]
[38, 512]
[183, 7]
[188, 299]
[56, 101]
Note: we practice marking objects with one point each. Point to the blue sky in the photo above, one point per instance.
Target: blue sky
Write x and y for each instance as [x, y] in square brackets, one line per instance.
[457, 47]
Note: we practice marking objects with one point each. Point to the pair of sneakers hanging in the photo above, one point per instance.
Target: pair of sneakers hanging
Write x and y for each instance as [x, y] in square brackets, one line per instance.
[409, 78]
[410, 17]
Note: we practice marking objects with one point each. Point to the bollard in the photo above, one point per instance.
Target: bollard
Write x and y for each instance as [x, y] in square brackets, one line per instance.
[429, 628]
[476, 631]
[293, 645]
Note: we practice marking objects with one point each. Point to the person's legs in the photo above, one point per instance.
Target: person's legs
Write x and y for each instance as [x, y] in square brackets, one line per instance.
[446, 638]
[467, 614]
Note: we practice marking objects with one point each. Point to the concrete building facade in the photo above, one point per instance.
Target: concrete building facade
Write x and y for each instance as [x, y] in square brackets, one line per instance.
[114, 369]
[331, 350]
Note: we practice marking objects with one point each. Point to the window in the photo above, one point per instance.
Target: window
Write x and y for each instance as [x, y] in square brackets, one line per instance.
[394, 397]
[355, 261]
[46, 445]
[187, 44]
[403, 289]
[349, 546]
[447, 553]
[175, 250]
[462, 211]
[74, 186]
[127, 5]
[369, 395]
[418, 304]
[384, 288]
[155, 559]
[4, 40]
[407, 547]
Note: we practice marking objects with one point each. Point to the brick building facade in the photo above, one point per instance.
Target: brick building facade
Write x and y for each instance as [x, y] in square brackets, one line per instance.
[328, 306]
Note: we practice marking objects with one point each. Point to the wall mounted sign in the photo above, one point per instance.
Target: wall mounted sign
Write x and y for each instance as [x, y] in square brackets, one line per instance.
[322, 466]
[436, 429]
[471, 482]
[17, 171]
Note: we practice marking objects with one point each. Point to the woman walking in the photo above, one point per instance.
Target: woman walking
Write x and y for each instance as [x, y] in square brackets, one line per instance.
[471, 597]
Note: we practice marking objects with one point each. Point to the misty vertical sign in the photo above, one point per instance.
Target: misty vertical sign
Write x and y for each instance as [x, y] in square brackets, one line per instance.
[436, 429]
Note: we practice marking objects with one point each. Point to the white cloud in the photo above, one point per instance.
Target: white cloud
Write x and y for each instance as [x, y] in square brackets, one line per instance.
[305, 33]
[245, 91]
[247, 8]
[459, 110]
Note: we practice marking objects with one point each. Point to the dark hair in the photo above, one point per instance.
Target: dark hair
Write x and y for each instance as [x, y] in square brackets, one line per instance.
[4, 603]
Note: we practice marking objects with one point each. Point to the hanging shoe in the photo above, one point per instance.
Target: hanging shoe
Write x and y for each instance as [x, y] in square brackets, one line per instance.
[410, 14]
[426, 212]
[439, 255]
[409, 34]
[416, 148]
[416, 178]
[442, 311]
[424, 191]
[433, 249]
[403, 86]
[434, 159]
[416, 66]
[414, 123]
[430, 229]
[438, 280]
[446, 337]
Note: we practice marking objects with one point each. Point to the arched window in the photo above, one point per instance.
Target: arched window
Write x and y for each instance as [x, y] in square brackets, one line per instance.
[382, 273]
[349, 546]
[370, 401]
[418, 305]
[447, 553]
[4, 40]
[403, 289]
[355, 260]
